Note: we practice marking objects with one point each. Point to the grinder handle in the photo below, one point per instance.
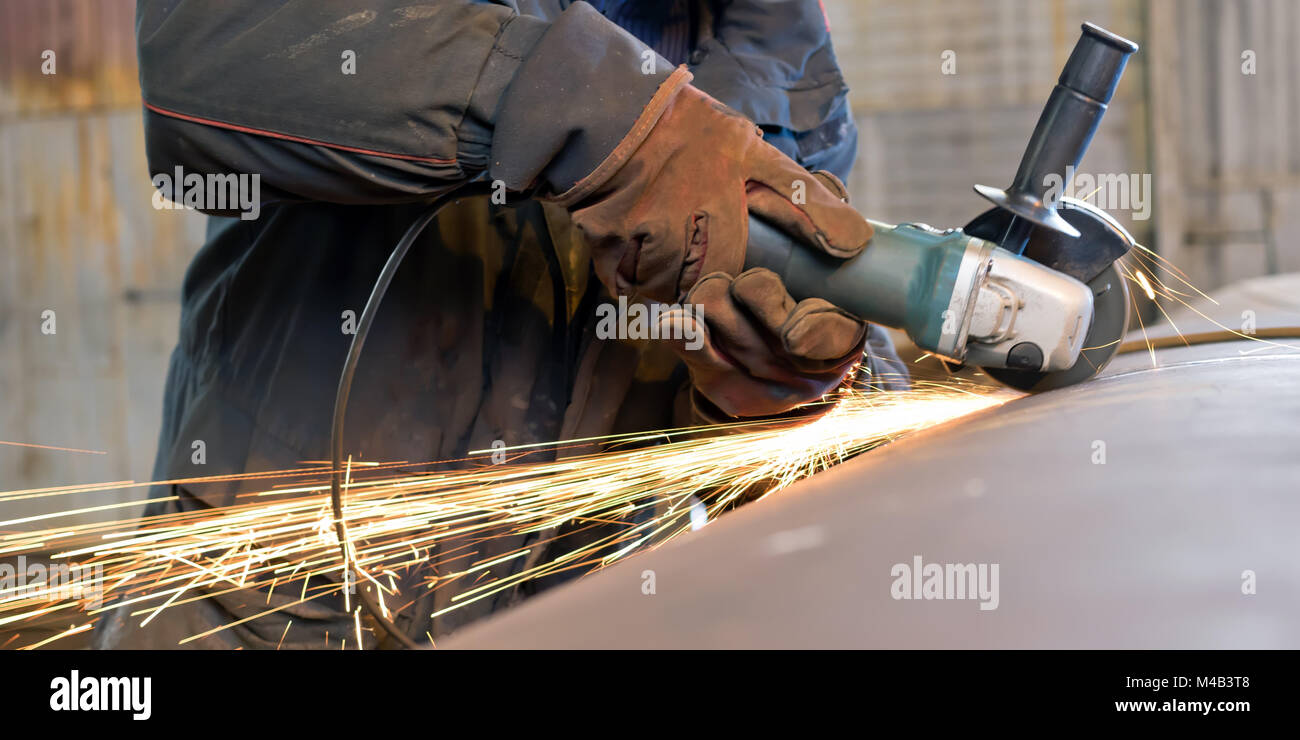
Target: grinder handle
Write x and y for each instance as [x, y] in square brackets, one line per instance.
[1074, 110]
[1064, 130]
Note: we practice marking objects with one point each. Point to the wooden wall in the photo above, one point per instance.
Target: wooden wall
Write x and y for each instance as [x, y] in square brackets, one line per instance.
[78, 236]
[1223, 148]
[927, 137]
[1227, 143]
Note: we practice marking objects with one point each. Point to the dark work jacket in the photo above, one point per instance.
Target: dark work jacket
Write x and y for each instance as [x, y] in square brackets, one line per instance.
[486, 334]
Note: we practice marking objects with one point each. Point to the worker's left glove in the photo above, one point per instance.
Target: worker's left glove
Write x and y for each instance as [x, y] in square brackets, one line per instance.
[762, 353]
[673, 200]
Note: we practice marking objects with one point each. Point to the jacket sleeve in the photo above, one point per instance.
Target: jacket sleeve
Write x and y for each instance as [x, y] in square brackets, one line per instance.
[374, 101]
[773, 61]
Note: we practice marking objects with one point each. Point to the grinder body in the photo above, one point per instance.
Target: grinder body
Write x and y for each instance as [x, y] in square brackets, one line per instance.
[955, 295]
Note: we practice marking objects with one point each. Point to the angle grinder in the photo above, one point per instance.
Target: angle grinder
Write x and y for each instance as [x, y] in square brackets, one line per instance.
[1029, 290]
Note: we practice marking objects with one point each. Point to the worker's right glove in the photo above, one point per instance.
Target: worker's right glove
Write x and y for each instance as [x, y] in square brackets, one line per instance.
[763, 353]
[672, 201]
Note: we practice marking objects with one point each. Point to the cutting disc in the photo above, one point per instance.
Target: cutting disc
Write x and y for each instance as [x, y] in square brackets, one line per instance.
[1090, 258]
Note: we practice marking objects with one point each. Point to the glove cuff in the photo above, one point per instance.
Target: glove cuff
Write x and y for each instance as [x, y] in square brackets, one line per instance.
[707, 413]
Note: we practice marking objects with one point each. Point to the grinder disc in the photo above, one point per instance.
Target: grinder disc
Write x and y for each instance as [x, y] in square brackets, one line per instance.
[1089, 258]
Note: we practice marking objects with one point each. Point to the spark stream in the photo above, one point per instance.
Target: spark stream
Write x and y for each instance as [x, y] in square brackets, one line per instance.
[282, 539]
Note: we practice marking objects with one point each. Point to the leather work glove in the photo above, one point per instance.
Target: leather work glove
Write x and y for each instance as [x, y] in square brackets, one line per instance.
[762, 353]
[672, 201]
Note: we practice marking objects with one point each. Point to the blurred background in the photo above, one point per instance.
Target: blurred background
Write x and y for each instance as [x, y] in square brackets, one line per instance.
[78, 234]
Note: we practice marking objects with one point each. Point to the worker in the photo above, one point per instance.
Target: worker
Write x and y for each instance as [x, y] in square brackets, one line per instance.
[634, 138]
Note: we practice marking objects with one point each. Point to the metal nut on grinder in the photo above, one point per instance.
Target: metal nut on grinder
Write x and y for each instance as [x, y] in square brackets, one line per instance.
[1023, 305]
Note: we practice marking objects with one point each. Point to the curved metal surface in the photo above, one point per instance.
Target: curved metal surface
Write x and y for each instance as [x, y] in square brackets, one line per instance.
[1200, 482]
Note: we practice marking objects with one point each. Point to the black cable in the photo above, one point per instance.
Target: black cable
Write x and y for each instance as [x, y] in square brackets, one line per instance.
[345, 388]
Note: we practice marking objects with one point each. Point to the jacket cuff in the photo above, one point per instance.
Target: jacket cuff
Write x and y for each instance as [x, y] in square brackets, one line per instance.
[575, 95]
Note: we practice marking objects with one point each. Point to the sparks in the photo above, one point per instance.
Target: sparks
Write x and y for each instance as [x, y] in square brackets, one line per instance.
[653, 485]
[33, 446]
